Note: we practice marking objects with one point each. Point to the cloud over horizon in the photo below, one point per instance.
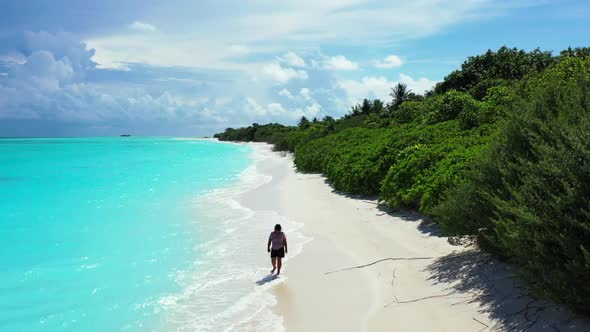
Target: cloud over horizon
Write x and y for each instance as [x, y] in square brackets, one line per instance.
[380, 87]
[51, 84]
[184, 68]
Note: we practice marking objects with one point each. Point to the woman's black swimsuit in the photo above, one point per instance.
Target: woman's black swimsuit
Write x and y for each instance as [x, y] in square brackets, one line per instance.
[278, 252]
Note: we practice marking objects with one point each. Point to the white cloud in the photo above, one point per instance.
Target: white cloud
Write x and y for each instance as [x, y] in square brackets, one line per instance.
[309, 111]
[51, 85]
[380, 87]
[292, 59]
[143, 27]
[62, 45]
[367, 87]
[286, 93]
[276, 109]
[255, 109]
[214, 115]
[301, 24]
[53, 79]
[13, 57]
[282, 75]
[339, 62]
[391, 61]
[107, 63]
[313, 109]
[420, 85]
[305, 93]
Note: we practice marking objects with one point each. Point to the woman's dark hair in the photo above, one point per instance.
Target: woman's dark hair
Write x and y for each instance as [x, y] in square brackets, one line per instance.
[277, 228]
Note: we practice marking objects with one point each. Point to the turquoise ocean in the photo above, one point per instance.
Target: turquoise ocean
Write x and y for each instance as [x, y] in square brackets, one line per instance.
[127, 234]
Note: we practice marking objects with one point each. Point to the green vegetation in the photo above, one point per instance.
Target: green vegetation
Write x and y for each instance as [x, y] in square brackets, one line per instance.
[529, 196]
[500, 149]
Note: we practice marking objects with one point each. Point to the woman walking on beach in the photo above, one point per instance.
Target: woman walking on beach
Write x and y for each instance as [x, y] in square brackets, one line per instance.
[277, 246]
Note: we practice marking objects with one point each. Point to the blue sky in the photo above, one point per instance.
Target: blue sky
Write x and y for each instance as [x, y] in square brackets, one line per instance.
[186, 68]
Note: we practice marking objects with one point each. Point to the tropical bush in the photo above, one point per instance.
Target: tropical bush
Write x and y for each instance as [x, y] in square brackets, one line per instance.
[428, 160]
[448, 106]
[408, 111]
[505, 63]
[354, 160]
[528, 198]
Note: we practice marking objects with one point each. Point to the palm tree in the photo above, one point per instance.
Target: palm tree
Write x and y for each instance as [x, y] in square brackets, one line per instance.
[355, 111]
[366, 106]
[378, 106]
[303, 123]
[400, 93]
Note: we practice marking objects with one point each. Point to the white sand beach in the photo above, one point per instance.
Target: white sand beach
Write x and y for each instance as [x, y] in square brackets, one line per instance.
[423, 284]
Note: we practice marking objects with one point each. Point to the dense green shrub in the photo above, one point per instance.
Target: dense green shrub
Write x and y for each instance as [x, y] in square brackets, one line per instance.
[377, 120]
[408, 111]
[529, 197]
[480, 90]
[349, 122]
[494, 107]
[448, 106]
[353, 159]
[505, 63]
[283, 138]
[428, 161]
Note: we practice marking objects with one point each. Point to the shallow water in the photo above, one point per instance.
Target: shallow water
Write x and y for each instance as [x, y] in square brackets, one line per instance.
[103, 234]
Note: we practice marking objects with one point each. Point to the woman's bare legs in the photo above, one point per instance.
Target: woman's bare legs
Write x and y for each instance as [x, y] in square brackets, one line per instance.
[279, 263]
[274, 264]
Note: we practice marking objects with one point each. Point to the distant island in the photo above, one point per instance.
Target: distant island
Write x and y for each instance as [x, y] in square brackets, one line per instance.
[125, 135]
[497, 151]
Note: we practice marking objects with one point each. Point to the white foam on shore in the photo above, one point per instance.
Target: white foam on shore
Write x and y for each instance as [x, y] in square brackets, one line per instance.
[220, 292]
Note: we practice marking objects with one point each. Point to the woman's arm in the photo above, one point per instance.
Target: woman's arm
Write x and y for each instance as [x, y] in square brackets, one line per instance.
[268, 245]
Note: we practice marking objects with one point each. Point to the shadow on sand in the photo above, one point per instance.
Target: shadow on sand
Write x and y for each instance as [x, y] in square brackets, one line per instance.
[492, 284]
[500, 294]
[267, 279]
[425, 226]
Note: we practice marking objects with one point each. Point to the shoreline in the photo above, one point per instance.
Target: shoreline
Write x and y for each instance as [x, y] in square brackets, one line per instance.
[424, 284]
[271, 197]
